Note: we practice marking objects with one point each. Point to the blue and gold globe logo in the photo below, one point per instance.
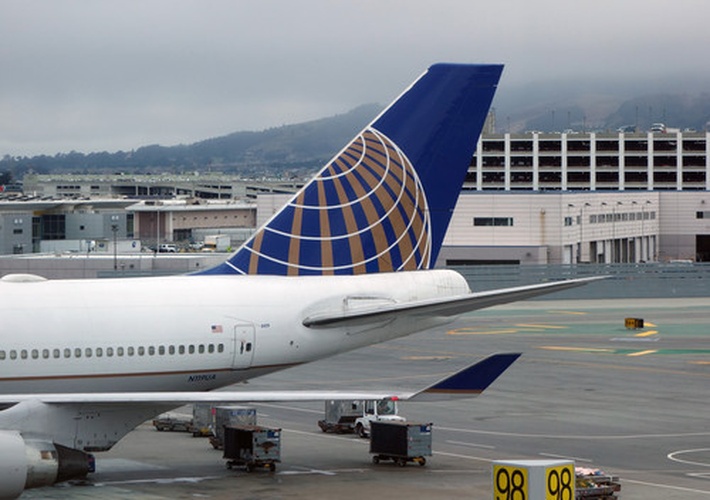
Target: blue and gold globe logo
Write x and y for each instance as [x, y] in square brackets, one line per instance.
[365, 212]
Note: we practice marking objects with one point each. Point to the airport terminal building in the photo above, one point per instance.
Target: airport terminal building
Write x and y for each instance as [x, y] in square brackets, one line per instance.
[534, 198]
[563, 198]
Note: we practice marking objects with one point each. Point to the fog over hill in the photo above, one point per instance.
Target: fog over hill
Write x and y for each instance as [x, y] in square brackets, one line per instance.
[604, 104]
[299, 149]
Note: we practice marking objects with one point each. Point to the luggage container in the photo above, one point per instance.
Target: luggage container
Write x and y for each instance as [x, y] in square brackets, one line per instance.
[202, 419]
[226, 416]
[400, 442]
[252, 446]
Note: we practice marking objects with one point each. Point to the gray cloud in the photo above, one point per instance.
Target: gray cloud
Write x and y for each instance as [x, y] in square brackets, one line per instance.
[108, 75]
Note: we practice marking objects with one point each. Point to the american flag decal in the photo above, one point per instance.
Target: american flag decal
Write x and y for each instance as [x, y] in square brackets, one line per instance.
[216, 328]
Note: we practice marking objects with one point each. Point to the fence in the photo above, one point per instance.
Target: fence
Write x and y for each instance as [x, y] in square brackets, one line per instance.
[625, 280]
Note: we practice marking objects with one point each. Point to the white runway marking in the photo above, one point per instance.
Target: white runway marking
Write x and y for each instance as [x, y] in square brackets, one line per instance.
[674, 456]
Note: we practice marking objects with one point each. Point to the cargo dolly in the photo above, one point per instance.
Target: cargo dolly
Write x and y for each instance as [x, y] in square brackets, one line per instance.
[400, 442]
[252, 446]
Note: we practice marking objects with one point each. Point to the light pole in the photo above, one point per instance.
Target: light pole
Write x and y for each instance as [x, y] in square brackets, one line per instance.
[644, 245]
[114, 228]
[633, 205]
[569, 206]
[580, 255]
[603, 204]
[614, 253]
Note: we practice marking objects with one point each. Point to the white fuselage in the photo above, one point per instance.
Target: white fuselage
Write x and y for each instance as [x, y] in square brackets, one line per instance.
[191, 333]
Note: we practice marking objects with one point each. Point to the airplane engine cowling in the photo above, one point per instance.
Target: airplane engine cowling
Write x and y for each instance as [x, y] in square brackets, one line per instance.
[13, 464]
[32, 463]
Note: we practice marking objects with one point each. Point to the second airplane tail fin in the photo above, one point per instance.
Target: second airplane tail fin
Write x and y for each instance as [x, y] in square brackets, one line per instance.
[385, 201]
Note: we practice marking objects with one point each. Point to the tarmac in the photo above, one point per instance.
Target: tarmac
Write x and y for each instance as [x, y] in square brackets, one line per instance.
[631, 402]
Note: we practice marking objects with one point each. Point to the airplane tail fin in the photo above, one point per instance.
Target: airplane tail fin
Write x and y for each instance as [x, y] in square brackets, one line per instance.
[384, 202]
[469, 382]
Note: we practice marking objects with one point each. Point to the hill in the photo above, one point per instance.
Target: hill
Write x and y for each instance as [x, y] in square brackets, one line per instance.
[303, 146]
[297, 150]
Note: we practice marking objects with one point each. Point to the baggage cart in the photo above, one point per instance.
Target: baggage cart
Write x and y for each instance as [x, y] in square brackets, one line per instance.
[252, 446]
[229, 416]
[595, 485]
[400, 442]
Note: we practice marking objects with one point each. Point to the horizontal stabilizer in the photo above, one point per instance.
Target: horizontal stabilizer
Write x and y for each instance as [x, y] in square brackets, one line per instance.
[445, 306]
[470, 381]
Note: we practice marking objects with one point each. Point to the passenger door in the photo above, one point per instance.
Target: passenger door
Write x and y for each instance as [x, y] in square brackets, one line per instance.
[244, 345]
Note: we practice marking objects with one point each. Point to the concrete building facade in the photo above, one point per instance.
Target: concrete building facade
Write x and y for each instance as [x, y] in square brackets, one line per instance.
[547, 228]
[619, 161]
[162, 221]
[574, 198]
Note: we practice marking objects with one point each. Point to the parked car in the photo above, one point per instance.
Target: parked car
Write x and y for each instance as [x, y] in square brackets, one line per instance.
[167, 248]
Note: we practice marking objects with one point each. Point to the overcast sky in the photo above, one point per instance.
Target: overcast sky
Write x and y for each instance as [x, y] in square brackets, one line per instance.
[95, 75]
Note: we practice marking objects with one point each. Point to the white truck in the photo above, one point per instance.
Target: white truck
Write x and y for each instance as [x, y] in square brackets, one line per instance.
[217, 243]
[343, 416]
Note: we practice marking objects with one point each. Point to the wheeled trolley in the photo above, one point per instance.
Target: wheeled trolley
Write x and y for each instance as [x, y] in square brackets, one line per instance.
[400, 442]
[233, 416]
[252, 446]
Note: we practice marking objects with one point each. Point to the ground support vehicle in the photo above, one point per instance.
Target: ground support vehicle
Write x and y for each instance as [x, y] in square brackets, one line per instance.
[216, 243]
[252, 446]
[400, 442]
[224, 416]
[340, 416]
[345, 416]
[174, 422]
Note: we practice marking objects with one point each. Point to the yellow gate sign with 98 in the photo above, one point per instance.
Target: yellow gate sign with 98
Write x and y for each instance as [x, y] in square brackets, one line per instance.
[510, 482]
[533, 480]
[559, 482]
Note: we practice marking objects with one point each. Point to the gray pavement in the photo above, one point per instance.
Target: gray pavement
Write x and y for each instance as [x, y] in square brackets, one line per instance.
[631, 402]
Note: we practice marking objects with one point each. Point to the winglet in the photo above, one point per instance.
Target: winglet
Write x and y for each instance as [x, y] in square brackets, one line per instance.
[470, 381]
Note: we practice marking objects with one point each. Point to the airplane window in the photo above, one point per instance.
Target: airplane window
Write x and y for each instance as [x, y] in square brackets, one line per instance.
[141, 351]
[23, 353]
[181, 349]
[210, 348]
[55, 353]
[220, 348]
[67, 353]
[161, 350]
[99, 352]
[171, 349]
[2, 354]
[77, 352]
[119, 351]
[88, 352]
[35, 354]
[109, 351]
[151, 350]
[191, 349]
[131, 351]
[13, 354]
[248, 346]
[45, 353]
[201, 348]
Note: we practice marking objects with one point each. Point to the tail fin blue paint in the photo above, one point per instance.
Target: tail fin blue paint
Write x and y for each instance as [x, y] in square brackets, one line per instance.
[384, 202]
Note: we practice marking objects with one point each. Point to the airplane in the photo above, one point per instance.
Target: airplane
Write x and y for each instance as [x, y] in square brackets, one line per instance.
[345, 264]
